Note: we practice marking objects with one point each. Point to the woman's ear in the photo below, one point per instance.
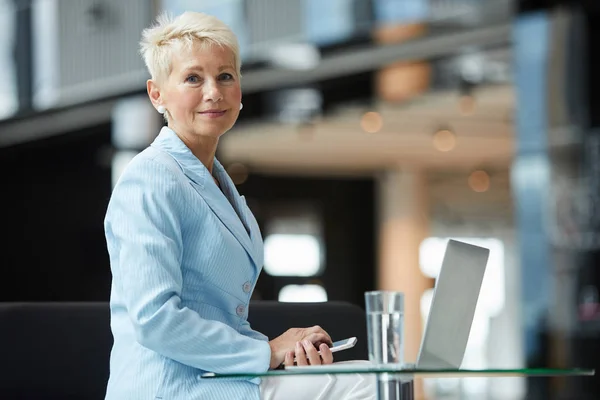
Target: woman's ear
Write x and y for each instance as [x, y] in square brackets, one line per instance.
[154, 93]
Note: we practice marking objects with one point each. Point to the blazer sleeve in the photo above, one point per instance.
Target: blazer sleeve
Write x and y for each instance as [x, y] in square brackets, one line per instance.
[144, 235]
[252, 333]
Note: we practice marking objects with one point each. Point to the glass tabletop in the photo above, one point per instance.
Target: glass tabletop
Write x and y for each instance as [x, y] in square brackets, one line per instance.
[367, 368]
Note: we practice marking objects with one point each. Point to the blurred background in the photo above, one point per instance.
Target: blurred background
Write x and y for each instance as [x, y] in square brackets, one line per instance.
[372, 131]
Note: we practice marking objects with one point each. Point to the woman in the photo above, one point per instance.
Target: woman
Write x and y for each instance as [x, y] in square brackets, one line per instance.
[185, 250]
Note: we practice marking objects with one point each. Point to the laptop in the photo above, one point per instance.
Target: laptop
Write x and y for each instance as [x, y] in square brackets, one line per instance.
[453, 306]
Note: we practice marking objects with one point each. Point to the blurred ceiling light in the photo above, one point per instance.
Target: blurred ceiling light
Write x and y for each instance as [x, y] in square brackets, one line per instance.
[479, 181]
[133, 118]
[371, 122]
[295, 106]
[472, 66]
[302, 294]
[295, 56]
[444, 140]
[466, 105]
[238, 173]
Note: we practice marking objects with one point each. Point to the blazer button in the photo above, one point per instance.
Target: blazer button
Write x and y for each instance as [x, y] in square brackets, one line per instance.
[240, 310]
[247, 287]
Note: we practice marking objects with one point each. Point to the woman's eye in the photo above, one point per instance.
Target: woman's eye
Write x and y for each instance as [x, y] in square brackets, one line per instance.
[192, 79]
[225, 77]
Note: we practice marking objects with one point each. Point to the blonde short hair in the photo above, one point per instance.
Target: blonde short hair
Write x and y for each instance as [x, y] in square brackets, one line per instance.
[186, 29]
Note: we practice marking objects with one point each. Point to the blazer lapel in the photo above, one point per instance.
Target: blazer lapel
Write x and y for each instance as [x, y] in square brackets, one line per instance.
[219, 204]
[205, 186]
[244, 212]
[255, 233]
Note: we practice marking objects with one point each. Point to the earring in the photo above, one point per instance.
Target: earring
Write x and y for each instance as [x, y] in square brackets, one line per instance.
[241, 106]
[161, 109]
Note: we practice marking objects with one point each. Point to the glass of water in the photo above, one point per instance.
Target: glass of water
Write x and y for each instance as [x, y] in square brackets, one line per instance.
[385, 326]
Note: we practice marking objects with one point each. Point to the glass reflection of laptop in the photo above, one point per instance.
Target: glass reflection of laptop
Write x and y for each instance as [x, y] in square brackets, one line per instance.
[453, 307]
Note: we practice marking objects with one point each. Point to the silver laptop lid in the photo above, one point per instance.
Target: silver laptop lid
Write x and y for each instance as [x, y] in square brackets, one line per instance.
[453, 306]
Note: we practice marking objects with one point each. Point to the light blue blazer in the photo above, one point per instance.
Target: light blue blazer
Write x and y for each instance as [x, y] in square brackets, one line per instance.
[185, 257]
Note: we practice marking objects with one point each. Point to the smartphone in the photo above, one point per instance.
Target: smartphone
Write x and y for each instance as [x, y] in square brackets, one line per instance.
[341, 345]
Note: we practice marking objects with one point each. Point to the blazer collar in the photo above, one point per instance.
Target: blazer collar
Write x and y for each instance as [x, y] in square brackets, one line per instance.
[217, 199]
[168, 141]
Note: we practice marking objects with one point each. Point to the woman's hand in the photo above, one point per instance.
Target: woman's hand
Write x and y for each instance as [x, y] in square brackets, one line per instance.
[286, 343]
[306, 354]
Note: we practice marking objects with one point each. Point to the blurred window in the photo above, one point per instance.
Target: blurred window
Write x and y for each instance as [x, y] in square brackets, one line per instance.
[293, 242]
[292, 255]
[329, 22]
[8, 80]
[407, 11]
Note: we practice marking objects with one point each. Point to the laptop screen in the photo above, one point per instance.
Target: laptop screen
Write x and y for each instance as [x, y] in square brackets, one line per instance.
[453, 307]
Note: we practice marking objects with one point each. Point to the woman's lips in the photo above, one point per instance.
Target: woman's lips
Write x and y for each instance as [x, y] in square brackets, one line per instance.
[213, 113]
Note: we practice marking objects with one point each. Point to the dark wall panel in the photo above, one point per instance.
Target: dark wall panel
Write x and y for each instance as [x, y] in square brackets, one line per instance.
[54, 195]
[347, 208]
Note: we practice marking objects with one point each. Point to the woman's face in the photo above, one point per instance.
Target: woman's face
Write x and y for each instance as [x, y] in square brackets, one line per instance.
[202, 94]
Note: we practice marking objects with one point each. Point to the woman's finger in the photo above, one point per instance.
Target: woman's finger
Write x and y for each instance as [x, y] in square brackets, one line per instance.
[326, 354]
[318, 338]
[289, 359]
[300, 354]
[318, 329]
[311, 353]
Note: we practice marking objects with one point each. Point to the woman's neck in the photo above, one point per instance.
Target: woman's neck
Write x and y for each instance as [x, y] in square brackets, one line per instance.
[203, 147]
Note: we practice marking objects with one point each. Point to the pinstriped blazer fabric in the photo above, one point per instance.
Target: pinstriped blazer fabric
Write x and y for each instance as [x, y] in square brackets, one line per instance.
[185, 256]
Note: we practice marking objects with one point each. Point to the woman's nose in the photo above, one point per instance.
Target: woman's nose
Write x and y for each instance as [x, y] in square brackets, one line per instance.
[212, 92]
